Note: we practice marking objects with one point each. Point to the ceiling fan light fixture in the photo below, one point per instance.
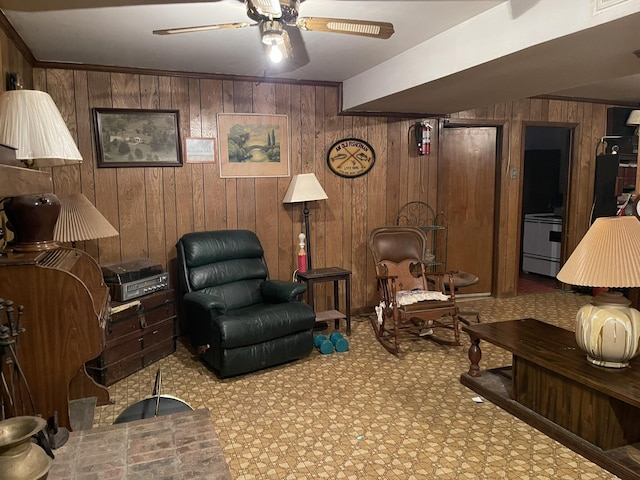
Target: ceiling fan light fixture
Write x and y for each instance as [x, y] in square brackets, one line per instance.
[275, 53]
[271, 32]
[273, 36]
[267, 8]
[272, 39]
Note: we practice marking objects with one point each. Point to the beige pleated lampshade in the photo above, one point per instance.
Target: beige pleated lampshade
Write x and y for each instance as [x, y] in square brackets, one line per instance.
[31, 123]
[607, 256]
[79, 220]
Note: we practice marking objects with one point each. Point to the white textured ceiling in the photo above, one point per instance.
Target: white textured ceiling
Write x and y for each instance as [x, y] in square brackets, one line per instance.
[445, 55]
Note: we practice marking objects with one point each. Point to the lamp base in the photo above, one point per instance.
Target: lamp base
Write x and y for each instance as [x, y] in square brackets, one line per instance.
[32, 218]
[32, 247]
[604, 363]
[608, 330]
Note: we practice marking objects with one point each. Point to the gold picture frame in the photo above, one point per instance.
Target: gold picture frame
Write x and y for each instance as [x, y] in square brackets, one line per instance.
[253, 145]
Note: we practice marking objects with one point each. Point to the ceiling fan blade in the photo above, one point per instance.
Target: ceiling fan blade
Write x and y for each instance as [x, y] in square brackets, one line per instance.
[363, 28]
[203, 28]
[266, 8]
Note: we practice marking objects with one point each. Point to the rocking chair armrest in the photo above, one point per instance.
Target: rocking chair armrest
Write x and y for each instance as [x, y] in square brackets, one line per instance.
[443, 281]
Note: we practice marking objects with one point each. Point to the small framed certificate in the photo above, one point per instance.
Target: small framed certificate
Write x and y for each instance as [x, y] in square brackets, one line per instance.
[200, 150]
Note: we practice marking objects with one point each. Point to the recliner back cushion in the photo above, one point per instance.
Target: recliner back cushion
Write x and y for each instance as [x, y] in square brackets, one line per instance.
[202, 248]
[226, 263]
[228, 271]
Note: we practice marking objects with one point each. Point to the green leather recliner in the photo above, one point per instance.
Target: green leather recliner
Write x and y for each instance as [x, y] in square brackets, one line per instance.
[238, 319]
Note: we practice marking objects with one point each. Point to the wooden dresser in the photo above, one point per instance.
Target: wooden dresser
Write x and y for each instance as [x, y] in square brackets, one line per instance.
[136, 334]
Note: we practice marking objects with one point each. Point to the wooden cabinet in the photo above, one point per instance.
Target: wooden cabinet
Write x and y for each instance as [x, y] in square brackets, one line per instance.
[136, 334]
[65, 308]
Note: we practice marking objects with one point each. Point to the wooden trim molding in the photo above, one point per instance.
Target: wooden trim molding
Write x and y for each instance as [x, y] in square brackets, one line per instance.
[587, 100]
[8, 29]
[175, 73]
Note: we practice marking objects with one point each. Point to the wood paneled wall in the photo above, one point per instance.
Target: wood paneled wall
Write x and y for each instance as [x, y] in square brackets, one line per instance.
[153, 207]
[589, 123]
[13, 61]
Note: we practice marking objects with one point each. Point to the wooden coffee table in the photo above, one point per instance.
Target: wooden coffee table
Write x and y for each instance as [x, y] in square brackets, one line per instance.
[593, 410]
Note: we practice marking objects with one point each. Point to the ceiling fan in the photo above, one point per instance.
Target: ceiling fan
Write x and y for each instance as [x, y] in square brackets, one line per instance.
[274, 17]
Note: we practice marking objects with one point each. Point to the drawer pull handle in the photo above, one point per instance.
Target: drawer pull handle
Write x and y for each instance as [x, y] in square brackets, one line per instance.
[140, 339]
[154, 332]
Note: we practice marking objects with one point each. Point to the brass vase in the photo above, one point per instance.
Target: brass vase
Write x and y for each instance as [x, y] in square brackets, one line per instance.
[20, 458]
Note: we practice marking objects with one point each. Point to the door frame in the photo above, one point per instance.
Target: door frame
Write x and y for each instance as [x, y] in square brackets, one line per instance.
[568, 220]
[501, 160]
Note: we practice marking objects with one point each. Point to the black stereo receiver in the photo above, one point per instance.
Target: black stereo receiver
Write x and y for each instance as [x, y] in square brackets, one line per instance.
[135, 278]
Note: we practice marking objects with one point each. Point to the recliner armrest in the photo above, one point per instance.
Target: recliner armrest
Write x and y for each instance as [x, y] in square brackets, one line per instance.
[281, 291]
[204, 302]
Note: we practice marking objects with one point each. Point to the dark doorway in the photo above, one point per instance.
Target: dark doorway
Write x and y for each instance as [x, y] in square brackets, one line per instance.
[547, 154]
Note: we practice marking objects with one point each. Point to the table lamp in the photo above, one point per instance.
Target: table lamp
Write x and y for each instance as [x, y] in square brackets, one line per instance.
[79, 220]
[31, 123]
[607, 329]
[305, 188]
[634, 120]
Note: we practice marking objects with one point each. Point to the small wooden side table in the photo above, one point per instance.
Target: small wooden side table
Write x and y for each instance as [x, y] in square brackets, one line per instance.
[329, 274]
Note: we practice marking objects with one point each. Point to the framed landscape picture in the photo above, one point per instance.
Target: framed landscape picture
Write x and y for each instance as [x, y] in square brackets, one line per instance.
[137, 138]
[253, 145]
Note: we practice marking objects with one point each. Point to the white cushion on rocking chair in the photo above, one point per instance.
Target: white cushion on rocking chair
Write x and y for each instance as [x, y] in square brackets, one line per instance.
[405, 297]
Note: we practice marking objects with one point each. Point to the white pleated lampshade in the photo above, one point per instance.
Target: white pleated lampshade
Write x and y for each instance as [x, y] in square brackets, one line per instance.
[634, 118]
[79, 220]
[607, 256]
[31, 122]
[304, 187]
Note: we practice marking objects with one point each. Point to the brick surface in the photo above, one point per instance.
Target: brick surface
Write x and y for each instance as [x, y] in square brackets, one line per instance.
[178, 446]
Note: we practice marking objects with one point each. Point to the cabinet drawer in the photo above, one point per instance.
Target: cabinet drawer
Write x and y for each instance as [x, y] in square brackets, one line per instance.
[136, 343]
[137, 323]
[110, 374]
[152, 309]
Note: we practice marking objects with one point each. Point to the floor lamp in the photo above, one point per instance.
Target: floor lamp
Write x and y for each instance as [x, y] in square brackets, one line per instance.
[305, 188]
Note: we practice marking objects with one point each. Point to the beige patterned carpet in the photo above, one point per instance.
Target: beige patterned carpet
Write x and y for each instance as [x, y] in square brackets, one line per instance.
[366, 414]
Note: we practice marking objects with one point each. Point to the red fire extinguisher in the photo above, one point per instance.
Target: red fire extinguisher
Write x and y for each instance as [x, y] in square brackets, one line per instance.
[423, 137]
[302, 254]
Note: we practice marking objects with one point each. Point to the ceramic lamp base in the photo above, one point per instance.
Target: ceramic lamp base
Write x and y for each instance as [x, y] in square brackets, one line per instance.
[32, 218]
[608, 330]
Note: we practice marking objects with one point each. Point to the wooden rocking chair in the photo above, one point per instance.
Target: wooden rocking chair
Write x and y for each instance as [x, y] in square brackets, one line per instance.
[411, 299]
